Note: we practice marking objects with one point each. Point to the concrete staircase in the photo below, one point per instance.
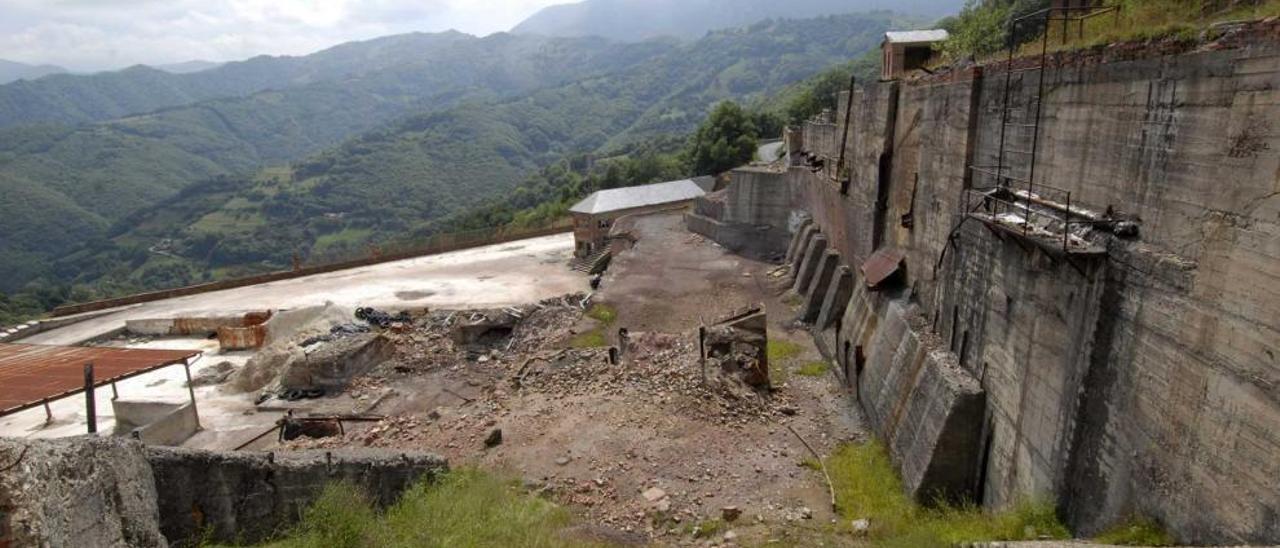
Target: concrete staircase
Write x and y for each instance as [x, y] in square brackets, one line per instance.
[592, 263]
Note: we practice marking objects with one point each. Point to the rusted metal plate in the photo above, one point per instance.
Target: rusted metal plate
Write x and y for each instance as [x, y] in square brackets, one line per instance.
[882, 265]
[242, 338]
[31, 374]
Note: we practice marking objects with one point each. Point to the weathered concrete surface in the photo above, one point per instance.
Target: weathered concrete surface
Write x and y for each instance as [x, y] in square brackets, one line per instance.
[927, 409]
[754, 216]
[806, 228]
[1141, 384]
[155, 422]
[809, 265]
[86, 491]
[493, 276]
[836, 299]
[246, 497]
[817, 291]
[802, 247]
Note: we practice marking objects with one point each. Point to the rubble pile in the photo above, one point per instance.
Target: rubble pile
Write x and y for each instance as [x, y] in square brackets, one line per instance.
[660, 367]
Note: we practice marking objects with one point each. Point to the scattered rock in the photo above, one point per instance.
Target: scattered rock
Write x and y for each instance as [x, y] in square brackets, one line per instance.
[215, 374]
[562, 461]
[861, 526]
[730, 536]
[494, 439]
[788, 410]
[730, 513]
[654, 494]
[806, 513]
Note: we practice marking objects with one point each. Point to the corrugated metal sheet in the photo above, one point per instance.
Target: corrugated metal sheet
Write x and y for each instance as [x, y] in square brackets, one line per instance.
[618, 199]
[882, 264]
[915, 36]
[30, 374]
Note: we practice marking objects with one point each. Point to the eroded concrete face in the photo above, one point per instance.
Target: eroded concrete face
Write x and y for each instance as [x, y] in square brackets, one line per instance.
[836, 299]
[809, 265]
[817, 291]
[1139, 382]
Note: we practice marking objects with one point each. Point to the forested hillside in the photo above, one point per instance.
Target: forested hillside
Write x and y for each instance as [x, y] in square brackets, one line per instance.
[67, 185]
[419, 174]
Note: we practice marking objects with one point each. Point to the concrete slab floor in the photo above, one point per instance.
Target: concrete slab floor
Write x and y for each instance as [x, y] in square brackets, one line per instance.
[496, 275]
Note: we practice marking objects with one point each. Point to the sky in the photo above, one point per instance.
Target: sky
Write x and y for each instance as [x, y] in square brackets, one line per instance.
[86, 35]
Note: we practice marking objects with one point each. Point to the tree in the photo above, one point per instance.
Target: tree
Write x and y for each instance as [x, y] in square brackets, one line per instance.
[725, 140]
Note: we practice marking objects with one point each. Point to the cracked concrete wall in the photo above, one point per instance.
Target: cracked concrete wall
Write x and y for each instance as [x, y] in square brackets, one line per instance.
[83, 491]
[1145, 384]
[921, 403]
[107, 491]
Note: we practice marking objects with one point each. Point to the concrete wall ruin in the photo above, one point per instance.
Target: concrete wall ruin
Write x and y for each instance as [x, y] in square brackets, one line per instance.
[103, 491]
[1141, 382]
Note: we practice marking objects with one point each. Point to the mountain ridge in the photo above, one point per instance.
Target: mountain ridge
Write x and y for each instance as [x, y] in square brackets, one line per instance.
[632, 20]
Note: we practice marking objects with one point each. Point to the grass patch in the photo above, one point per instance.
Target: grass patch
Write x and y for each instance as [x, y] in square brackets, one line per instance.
[1138, 531]
[781, 350]
[705, 529]
[868, 487]
[590, 339]
[465, 508]
[813, 369]
[603, 313]
[778, 352]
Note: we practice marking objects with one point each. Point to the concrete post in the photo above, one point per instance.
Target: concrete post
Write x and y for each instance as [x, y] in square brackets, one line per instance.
[818, 287]
[836, 299]
[812, 256]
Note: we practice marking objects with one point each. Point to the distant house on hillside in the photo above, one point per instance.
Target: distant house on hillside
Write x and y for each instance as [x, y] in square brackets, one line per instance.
[904, 51]
[594, 216]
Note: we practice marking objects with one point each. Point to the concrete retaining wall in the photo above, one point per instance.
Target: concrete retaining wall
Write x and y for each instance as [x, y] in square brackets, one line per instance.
[247, 497]
[105, 491]
[1143, 382]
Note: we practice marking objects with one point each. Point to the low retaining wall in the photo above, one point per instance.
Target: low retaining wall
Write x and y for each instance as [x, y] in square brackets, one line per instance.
[67, 310]
[248, 497]
[106, 491]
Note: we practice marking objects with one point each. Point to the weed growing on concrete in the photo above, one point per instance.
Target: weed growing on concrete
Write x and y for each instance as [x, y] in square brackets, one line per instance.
[867, 487]
[466, 507]
[813, 369]
[1138, 531]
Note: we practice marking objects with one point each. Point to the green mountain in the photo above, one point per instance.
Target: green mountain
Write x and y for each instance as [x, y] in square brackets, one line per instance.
[643, 19]
[12, 70]
[77, 99]
[405, 177]
[86, 178]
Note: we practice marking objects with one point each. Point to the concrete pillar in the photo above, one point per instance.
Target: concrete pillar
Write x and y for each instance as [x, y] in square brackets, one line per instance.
[802, 246]
[809, 264]
[836, 299]
[792, 249]
[818, 287]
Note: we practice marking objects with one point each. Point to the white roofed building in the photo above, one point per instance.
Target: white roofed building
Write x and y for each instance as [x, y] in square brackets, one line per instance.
[907, 50]
[593, 217]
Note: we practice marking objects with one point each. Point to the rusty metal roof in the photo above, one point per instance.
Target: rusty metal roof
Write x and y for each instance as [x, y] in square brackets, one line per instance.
[882, 264]
[31, 374]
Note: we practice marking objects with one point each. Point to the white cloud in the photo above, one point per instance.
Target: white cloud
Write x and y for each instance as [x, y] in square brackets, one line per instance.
[105, 34]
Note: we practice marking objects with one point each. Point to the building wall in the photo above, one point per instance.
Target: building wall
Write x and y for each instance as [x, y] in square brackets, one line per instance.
[593, 229]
